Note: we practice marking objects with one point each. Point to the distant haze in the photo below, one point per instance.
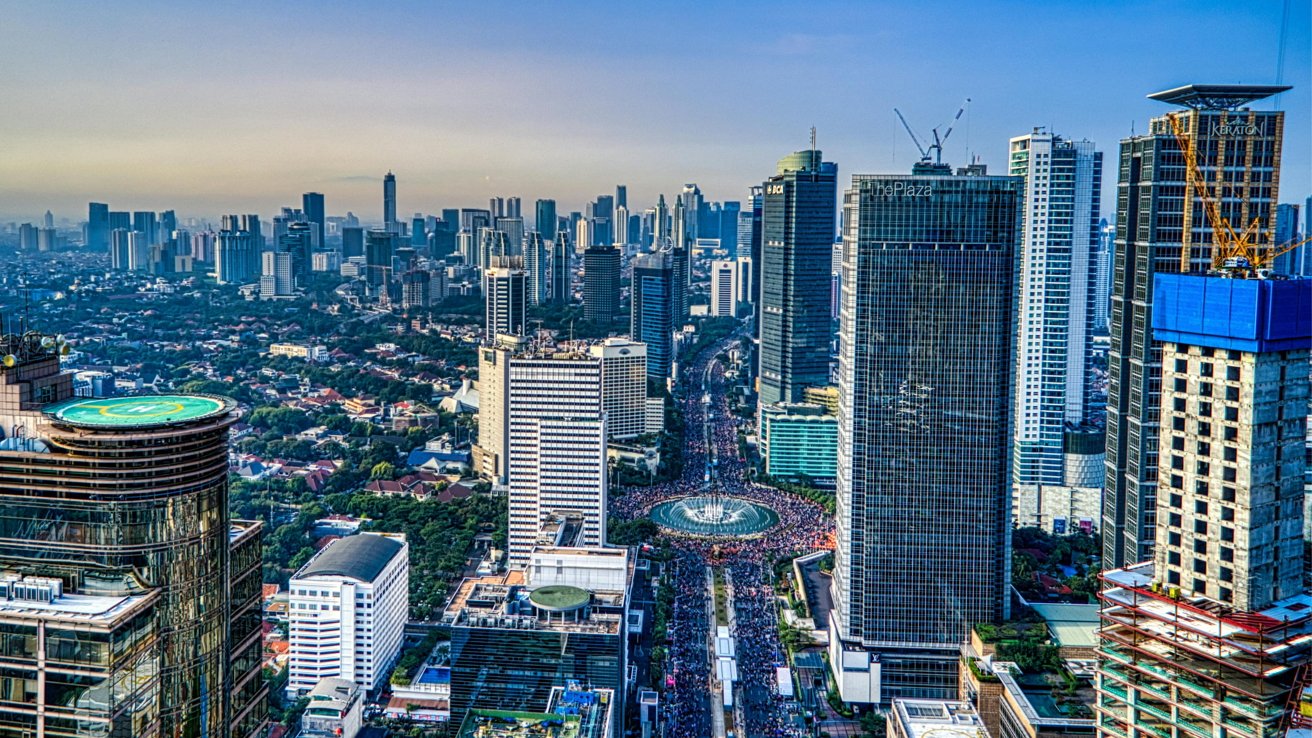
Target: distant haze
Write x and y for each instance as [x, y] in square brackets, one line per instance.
[208, 107]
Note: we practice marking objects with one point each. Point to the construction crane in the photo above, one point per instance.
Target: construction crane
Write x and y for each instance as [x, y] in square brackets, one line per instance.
[1239, 252]
[937, 146]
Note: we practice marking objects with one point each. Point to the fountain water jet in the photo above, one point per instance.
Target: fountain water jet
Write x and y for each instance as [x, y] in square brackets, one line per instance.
[714, 515]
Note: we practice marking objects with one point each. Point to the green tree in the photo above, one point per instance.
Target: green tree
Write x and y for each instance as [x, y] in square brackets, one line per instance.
[382, 470]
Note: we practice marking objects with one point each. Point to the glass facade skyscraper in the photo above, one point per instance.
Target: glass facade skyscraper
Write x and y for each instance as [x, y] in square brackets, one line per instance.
[653, 316]
[798, 225]
[1156, 233]
[925, 362]
[546, 220]
[601, 285]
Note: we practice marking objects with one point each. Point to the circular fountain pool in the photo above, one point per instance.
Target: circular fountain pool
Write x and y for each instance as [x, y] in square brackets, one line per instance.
[714, 516]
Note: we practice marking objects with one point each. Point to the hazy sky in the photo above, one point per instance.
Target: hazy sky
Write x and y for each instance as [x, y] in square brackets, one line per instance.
[209, 107]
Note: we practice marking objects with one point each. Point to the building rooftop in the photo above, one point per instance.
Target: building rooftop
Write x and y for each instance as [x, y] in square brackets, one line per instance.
[1071, 625]
[506, 601]
[362, 557]
[1217, 97]
[145, 411]
[1035, 697]
[938, 719]
[103, 611]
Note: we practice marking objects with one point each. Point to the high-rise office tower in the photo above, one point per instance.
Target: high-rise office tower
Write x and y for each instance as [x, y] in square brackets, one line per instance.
[120, 219]
[312, 206]
[140, 615]
[418, 231]
[48, 220]
[97, 226]
[679, 225]
[623, 385]
[559, 285]
[691, 200]
[27, 237]
[514, 207]
[924, 376]
[146, 223]
[352, 241]
[798, 225]
[168, 223]
[492, 244]
[513, 227]
[652, 320]
[601, 285]
[297, 241]
[679, 262]
[724, 288]
[1054, 351]
[277, 278]
[620, 223]
[379, 248]
[545, 219]
[536, 265]
[661, 225]
[600, 213]
[1156, 233]
[45, 239]
[505, 288]
[548, 424]
[1207, 638]
[621, 196]
[1292, 262]
[389, 204]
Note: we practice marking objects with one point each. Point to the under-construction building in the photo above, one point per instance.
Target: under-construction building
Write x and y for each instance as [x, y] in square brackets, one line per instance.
[129, 601]
[1213, 637]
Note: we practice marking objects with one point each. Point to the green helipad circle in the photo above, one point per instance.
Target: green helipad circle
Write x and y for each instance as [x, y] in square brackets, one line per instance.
[559, 598]
[140, 411]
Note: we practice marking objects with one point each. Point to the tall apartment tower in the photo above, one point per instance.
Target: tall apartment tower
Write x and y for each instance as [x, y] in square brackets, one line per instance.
[797, 231]
[923, 517]
[652, 319]
[161, 566]
[1155, 233]
[1058, 267]
[1207, 638]
[390, 223]
[559, 284]
[505, 291]
[601, 285]
[1103, 282]
[236, 254]
[548, 437]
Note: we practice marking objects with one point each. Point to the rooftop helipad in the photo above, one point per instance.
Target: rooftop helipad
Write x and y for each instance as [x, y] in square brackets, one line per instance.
[138, 412]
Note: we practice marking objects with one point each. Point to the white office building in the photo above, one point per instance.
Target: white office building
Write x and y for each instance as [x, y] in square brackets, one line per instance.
[724, 289]
[544, 434]
[1057, 298]
[624, 385]
[348, 606]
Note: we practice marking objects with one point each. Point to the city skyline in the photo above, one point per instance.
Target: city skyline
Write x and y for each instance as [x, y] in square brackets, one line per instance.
[446, 113]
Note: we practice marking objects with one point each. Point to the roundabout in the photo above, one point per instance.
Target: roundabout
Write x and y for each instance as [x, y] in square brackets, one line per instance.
[714, 515]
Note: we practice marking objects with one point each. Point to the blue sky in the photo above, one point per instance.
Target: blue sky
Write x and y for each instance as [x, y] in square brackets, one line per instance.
[214, 107]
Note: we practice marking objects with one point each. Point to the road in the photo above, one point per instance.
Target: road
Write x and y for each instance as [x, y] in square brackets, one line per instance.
[711, 462]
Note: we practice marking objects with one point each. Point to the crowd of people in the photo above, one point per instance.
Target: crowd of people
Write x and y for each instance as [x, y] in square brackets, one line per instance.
[690, 669]
[712, 464]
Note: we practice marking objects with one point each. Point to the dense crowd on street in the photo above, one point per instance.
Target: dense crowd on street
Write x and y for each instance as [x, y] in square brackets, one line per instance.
[711, 453]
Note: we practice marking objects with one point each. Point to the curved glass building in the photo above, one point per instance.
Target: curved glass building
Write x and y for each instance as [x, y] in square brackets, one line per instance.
[125, 500]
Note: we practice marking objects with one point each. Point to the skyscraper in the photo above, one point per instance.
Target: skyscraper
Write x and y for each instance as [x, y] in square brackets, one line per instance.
[1054, 352]
[418, 231]
[235, 254]
[98, 226]
[545, 219]
[312, 206]
[653, 316]
[601, 285]
[536, 265]
[505, 288]
[797, 236]
[352, 241]
[1208, 636]
[163, 568]
[559, 285]
[1287, 232]
[146, 223]
[380, 247]
[389, 204]
[924, 376]
[296, 243]
[1156, 233]
[1102, 288]
[549, 422]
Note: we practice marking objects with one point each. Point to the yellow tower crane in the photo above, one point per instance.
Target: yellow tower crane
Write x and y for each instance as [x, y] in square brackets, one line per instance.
[1232, 251]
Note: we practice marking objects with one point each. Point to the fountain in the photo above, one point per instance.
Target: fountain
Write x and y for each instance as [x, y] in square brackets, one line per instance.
[714, 515]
